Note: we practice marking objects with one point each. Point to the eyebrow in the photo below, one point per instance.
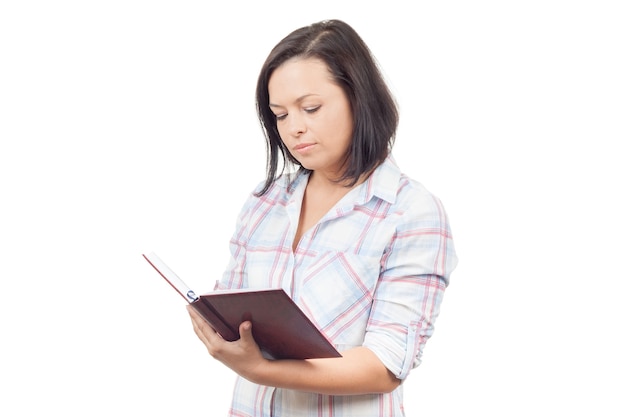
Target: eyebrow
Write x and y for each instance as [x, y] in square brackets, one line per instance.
[298, 100]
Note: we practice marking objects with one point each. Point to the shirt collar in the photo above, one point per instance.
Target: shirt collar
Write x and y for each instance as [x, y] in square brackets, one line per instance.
[383, 183]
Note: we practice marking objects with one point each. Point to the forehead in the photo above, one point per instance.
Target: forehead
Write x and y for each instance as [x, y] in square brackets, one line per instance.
[299, 76]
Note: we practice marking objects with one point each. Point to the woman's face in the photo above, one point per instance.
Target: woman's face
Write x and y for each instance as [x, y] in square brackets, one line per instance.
[313, 115]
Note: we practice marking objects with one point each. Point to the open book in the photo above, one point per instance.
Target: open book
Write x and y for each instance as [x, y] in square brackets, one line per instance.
[279, 326]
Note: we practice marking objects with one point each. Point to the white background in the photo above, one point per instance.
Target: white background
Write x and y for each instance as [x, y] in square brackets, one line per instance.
[129, 126]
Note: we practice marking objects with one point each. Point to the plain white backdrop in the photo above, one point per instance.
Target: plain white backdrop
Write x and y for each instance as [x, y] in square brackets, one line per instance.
[129, 126]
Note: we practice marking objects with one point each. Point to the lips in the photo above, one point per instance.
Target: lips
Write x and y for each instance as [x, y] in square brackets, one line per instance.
[303, 147]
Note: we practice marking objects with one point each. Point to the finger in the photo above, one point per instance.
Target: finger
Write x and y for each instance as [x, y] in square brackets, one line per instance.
[200, 327]
[193, 313]
[205, 332]
[198, 330]
[197, 320]
[245, 332]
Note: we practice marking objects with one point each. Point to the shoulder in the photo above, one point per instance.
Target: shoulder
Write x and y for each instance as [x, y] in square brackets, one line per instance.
[414, 196]
[403, 194]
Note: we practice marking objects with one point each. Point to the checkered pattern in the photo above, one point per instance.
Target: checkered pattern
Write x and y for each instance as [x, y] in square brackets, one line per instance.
[372, 272]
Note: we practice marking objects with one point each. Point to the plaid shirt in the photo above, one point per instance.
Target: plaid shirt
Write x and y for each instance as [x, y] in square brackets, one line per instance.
[372, 272]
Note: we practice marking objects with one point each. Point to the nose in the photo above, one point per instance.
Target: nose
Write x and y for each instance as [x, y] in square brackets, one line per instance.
[296, 124]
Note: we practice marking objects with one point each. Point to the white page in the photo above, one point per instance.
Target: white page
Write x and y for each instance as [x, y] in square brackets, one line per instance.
[171, 277]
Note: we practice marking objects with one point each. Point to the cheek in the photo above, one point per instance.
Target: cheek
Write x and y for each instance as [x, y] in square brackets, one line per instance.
[340, 120]
[341, 128]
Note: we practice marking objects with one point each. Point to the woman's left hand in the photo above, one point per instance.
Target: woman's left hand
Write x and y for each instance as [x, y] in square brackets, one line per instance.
[242, 356]
[358, 371]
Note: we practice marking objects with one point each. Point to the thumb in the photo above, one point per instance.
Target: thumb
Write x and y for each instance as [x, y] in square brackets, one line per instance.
[245, 331]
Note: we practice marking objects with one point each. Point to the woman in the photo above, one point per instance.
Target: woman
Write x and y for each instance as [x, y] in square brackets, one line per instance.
[365, 251]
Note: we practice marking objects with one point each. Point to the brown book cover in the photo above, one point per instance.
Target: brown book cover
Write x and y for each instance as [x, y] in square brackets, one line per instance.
[279, 326]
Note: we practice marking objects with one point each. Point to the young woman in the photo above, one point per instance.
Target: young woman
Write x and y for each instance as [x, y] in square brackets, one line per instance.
[365, 251]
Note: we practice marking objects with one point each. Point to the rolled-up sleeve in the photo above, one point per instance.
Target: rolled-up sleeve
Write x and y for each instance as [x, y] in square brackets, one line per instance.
[415, 272]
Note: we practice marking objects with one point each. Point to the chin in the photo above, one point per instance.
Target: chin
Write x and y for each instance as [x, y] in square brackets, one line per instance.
[307, 165]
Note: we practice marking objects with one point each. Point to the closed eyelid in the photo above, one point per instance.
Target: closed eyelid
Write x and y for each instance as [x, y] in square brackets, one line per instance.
[312, 109]
[277, 110]
[281, 113]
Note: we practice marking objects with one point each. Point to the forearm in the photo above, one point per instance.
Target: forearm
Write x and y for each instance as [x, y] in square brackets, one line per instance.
[359, 371]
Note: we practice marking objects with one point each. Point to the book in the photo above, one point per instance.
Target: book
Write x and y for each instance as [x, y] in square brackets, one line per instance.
[280, 328]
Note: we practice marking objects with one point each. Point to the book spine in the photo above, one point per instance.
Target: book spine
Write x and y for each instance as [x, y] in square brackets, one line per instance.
[204, 308]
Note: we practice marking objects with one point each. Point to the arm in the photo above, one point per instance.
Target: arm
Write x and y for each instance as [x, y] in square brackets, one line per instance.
[359, 371]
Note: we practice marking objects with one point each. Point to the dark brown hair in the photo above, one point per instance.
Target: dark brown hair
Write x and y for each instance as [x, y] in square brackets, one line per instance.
[354, 69]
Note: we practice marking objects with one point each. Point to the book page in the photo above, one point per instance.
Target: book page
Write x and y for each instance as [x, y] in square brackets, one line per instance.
[171, 277]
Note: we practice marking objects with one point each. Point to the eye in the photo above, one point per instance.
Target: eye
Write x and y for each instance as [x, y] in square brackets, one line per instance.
[312, 110]
[280, 117]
